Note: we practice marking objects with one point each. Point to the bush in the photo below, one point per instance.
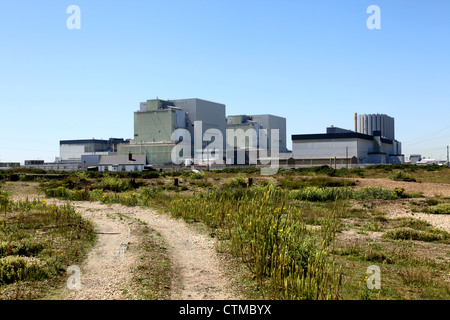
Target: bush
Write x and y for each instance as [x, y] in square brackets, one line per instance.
[402, 176]
[26, 247]
[150, 175]
[199, 175]
[289, 183]
[115, 184]
[331, 194]
[411, 234]
[441, 208]
[238, 181]
[15, 268]
[249, 169]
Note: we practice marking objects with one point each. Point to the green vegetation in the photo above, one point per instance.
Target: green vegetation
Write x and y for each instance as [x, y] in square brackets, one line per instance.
[259, 226]
[37, 243]
[402, 176]
[307, 233]
[411, 234]
[441, 208]
[332, 194]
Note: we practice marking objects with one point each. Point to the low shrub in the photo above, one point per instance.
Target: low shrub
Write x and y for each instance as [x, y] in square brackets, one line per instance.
[441, 208]
[115, 184]
[411, 234]
[331, 194]
[197, 175]
[238, 181]
[15, 268]
[402, 176]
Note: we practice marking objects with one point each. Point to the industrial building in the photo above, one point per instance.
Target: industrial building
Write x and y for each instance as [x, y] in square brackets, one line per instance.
[257, 122]
[243, 136]
[369, 123]
[33, 162]
[371, 141]
[71, 151]
[362, 146]
[9, 165]
[157, 119]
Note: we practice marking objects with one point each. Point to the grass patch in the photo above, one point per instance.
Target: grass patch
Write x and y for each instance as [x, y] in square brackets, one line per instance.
[38, 243]
[402, 176]
[153, 274]
[287, 260]
[441, 208]
[406, 233]
[299, 183]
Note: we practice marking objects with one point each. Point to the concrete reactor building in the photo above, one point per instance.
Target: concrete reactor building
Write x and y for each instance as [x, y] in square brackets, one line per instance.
[157, 119]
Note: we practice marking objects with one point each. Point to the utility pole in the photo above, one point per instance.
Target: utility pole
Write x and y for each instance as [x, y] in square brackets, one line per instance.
[207, 154]
[448, 162]
[346, 156]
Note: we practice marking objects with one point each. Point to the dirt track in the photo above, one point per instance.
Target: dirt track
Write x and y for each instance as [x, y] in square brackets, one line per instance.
[105, 273]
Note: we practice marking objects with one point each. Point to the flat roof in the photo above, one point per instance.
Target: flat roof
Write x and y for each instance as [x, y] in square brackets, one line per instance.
[326, 136]
[85, 141]
[344, 135]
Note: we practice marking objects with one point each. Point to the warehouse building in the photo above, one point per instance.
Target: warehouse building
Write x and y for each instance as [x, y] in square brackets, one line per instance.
[71, 151]
[355, 147]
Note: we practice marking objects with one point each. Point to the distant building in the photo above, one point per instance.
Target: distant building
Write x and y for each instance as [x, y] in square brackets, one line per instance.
[370, 123]
[257, 122]
[414, 158]
[157, 119]
[71, 151]
[33, 162]
[353, 146]
[8, 165]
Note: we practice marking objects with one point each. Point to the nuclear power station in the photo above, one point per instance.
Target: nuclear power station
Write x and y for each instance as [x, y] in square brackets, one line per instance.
[156, 122]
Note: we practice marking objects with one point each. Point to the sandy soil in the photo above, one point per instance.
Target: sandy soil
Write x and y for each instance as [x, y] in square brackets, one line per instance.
[428, 189]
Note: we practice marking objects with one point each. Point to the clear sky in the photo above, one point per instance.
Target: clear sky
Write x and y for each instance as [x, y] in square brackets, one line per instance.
[313, 62]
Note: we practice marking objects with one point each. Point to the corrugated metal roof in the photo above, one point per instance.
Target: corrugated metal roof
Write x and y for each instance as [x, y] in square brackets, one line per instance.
[116, 160]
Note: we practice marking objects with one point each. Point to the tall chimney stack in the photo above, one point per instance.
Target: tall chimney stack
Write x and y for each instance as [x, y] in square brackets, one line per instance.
[356, 122]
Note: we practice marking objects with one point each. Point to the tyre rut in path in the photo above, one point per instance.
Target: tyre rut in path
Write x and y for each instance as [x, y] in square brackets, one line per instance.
[105, 274]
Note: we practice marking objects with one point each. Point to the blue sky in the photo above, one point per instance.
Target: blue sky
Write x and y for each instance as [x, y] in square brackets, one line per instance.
[314, 62]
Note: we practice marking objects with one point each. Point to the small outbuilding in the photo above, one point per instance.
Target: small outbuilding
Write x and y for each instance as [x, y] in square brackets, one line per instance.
[122, 163]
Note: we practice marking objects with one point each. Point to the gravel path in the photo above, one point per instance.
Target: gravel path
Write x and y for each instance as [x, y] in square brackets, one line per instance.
[105, 273]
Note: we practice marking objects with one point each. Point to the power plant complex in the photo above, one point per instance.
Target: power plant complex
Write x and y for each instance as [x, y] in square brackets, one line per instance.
[371, 142]
[161, 125]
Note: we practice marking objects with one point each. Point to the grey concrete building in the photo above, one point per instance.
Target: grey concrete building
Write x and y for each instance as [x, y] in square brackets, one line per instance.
[72, 150]
[341, 143]
[257, 122]
[157, 119]
[369, 123]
